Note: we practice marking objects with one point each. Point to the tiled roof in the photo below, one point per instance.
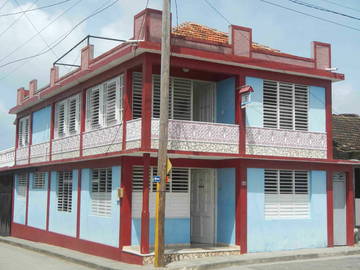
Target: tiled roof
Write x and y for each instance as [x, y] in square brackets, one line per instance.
[201, 32]
[346, 130]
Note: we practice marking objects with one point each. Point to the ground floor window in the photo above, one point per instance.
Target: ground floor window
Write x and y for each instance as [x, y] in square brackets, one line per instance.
[38, 180]
[21, 185]
[101, 188]
[286, 194]
[64, 191]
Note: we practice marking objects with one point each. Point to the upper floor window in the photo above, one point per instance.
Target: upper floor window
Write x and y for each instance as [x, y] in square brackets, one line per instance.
[285, 105]
[104, 103]
[67, 117]
[286, 194]
[24, 131]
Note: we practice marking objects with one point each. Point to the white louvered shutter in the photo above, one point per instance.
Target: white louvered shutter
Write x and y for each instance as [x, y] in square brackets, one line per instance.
[64, 191]
[101, 188]
[24, 131]
[286, 106]
[301, 107]
[21, 132]
[94, 108]
[27, 131]
[39, 181]
[181, 99]
[156, 97]
[180, 180]
[137, 178]
[73, 114]
[22, 185]
[137, 94]
[110, 102]
[60, 119]
[270, 101]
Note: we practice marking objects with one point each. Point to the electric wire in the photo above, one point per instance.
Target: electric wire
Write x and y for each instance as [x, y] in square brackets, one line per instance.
[33, 9]
[302, 3]
[3, 5]
[339, 5]
[142, 21]
[62, 38]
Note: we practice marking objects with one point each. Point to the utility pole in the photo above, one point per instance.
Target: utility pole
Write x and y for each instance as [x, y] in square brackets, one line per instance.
[163, 136]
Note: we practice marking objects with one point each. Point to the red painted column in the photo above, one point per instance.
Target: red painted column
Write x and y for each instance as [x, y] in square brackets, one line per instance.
[146, 105]
[237, 205]
[82, 119]
[30, 135]
[125, 204]
[127, 104]
[78, 205]
[240, 115]
[350, 224]
[48, 201]
[328, 108]
[12, 203]
[16, 139]
[330, 208]
[242, 208]
[27, 199]
[145, 219]
[52, 122]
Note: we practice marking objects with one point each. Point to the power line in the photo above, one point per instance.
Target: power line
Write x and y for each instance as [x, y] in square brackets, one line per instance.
[62, 38]
[217, 11]
[39, 32]
[339, 5]
[33, 9]
[3, 5]
[309, 15]
[143, 21]
[16, 20]
[323, 9]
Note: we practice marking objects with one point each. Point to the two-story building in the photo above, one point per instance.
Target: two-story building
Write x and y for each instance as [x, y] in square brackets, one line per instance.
[259, 177]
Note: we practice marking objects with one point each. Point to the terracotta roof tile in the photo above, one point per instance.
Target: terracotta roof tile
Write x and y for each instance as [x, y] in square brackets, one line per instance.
[201, 32]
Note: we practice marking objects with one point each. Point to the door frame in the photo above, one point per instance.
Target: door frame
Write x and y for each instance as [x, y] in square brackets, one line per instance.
[215, 212]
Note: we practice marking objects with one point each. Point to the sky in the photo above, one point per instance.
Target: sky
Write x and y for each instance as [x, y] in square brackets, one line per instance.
[272, 26]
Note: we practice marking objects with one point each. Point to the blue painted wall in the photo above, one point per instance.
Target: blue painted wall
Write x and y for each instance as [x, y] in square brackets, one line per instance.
[104, 230]
[41, 125]
[226, 206]
[225, 101]
[37, 204]
[254, 111]
[19, 205]
[270, 235]
[177, 231]
[63, 222]
[317, 120]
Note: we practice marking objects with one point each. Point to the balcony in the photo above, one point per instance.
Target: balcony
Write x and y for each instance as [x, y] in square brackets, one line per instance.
[7, 158]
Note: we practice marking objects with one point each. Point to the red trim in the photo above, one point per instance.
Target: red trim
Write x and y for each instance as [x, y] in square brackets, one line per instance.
[328, 109]
[145, 220]
[237, 206]
[30, 136]
[330, 208]
[16, 138]
[27, 199]
[241, 115]
[127, 104]
[82, 119]
[78, 220]
[350, 224]
[146, 104]
[243, 209]
[48, 201]
[52, 121]
[88, 247]
[12, 201]
[125, 204]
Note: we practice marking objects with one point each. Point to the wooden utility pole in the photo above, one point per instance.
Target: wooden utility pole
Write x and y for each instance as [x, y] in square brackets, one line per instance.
[163, 136]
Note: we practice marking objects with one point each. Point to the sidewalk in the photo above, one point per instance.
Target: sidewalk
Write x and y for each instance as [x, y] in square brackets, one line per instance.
[198, 264]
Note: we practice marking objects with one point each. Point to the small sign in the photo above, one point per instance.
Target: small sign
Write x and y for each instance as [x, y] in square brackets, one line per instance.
[245, 93]
[168, 166]
[156, 179]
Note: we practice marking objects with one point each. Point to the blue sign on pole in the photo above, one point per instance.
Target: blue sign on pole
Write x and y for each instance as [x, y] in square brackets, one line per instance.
[156, 179]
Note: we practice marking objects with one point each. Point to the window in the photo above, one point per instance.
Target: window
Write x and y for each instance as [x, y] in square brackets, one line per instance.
[137, 94]
[64, 191]
[67, 117]
[22, 185]
[101, 188]
[285, 105]
[39, 180]
[24, 131]
[179, 180]
[104, 103]
[286, 194]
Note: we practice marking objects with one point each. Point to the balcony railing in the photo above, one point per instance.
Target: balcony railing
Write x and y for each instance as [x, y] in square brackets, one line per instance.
[189, 136]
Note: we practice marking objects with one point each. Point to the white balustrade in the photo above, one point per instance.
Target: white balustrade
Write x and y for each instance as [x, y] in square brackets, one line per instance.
[7, 158]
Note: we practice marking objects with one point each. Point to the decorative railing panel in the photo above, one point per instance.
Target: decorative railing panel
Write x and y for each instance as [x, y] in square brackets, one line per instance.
[289, 143]
[64, 148]
[133, 133]
[22, 155]
[198, 136]
[40, 152]
[103, 140]
[7, 158]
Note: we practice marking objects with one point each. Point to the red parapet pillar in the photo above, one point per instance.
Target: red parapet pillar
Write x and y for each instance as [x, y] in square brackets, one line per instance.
[127, 104]
[330, 208]
[146, 104]
[350, 224]
[145, 218]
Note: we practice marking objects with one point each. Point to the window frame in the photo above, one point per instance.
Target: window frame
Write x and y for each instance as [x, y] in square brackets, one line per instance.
[22, 186]
[66, 102]
[65, 202]
[23, 136]
[102, 114]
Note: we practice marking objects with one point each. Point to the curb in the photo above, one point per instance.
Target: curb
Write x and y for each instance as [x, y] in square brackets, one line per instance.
[57, 255]
[250, 261]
